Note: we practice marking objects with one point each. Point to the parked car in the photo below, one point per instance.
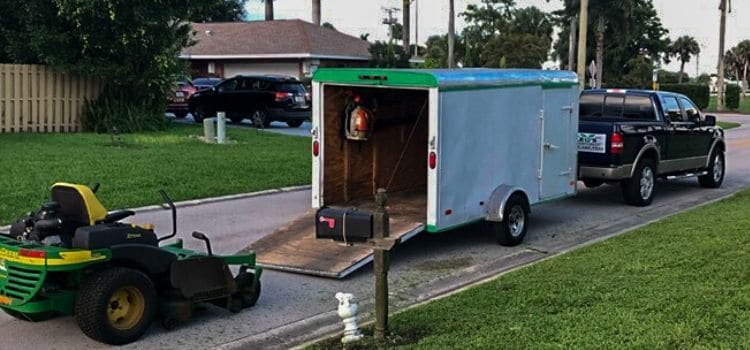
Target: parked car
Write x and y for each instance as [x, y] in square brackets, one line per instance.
[634, 137]
[206, 83]
[179, 95]
[263, 99]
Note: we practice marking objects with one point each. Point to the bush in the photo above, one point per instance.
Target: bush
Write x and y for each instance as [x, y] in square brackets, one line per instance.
[127, 113]
[700, 94]
[732, 96]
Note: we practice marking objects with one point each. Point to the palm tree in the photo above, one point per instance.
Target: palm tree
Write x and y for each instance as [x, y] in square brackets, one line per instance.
[684, 48]
[451, 32]
[743, 55]
[316, 12]
[269, 10]
[406, 19]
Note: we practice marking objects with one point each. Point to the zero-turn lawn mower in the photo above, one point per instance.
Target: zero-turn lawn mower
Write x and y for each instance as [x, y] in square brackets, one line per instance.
[73, 257]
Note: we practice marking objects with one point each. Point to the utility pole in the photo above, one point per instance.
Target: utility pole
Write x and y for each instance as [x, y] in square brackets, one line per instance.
[722, 34]
[416, 28]
[572, 43]
[583, 19]
[406, 22]
[451, 32]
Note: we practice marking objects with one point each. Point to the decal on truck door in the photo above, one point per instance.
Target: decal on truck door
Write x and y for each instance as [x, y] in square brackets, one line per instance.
[594, 143]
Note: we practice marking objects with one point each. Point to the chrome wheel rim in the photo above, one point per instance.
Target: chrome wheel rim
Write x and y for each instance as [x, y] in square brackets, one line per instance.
[647, 182]
[516, 221]
[718, 168]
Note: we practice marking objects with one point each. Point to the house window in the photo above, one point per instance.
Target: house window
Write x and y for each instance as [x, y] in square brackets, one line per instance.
[211, 68]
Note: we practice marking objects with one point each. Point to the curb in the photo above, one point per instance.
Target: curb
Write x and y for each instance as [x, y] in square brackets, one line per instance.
[231, 197]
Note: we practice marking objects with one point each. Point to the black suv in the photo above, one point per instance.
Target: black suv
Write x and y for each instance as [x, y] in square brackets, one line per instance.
[263, 99]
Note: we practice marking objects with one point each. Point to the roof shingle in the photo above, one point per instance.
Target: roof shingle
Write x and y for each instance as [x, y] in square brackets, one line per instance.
[266, 39]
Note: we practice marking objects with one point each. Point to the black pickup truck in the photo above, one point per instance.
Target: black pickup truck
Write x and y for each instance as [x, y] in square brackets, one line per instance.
[634, 137]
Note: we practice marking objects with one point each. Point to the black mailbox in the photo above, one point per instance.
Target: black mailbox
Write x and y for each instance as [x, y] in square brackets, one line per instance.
[343, 224]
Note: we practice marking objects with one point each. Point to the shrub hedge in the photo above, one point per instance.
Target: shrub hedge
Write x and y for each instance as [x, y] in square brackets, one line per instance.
[699, 94]
[732, 97]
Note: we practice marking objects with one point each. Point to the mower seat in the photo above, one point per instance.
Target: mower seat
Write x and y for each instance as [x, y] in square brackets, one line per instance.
[78, 204]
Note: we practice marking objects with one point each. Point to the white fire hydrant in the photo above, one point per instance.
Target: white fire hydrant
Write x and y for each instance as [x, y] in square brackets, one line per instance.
[348, 313]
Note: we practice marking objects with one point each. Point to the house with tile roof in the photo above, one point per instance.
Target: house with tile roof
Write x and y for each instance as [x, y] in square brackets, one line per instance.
[282, 47]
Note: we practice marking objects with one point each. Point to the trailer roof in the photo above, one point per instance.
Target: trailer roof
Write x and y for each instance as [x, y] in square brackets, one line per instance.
[447, 79]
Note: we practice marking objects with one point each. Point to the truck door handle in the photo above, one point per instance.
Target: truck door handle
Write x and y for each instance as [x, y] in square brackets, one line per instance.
[548, 145]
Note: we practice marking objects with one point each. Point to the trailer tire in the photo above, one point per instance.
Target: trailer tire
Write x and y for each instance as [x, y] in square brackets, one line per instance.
[248, 291]
[640, 189]
[512, 230]
[115, 306]
[716, 170]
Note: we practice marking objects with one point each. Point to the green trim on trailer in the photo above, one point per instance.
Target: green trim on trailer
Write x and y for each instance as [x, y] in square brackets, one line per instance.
[402, 78]
[435, 229]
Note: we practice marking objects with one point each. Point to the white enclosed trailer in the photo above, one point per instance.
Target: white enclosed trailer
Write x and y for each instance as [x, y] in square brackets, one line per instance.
[451, 147]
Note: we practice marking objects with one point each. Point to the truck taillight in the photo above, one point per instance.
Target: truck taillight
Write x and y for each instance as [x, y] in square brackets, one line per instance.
[316, 148]
[616, 144]
[432, 160]
[28, 253]
[281, 96]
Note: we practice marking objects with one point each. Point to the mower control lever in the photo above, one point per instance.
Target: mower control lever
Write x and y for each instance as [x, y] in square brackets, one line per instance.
[174, 215]
[203, 237]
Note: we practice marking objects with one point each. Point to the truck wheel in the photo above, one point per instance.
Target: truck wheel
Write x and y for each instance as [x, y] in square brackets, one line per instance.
[294, 123]
[512, 229]
[716, 168]
[236, 118]
[248, 291]
[592, 183]
[202, 112]
[180, 115]
[261, 120]
[115, 306]
[639, 190]
[31, 317]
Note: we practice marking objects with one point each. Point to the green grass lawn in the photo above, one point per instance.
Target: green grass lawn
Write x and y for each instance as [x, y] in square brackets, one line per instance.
[727, 125]
[131, 174]
[683, 282]
[744, 105]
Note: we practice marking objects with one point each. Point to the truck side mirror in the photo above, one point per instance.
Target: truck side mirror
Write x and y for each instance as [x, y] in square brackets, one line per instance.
[710, 120]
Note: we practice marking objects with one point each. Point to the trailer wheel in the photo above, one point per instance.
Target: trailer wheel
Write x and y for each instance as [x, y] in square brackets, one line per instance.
[639, 190]
[115, 306]
[593, 183]
[248, 291]
[30, 317]
[512, 229]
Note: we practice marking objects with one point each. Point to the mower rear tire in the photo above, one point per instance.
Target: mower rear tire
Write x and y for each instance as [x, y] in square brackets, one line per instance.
[34, 317]
[248, 291]
[116, 306]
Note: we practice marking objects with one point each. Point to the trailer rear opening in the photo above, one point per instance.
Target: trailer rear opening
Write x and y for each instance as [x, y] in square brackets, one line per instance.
[394, 156]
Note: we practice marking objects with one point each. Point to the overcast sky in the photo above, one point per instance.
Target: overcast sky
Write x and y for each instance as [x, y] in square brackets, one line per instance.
[698, 18]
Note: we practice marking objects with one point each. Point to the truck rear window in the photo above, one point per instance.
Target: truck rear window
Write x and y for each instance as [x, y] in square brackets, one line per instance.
[616, 106]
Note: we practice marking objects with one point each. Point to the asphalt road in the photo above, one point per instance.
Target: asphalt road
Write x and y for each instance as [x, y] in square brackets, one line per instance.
[295, 308]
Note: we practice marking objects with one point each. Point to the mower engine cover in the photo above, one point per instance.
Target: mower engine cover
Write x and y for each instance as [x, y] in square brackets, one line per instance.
[343, 224]
[107, 235]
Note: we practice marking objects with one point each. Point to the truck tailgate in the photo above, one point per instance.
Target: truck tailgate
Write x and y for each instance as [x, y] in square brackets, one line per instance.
[593, 143]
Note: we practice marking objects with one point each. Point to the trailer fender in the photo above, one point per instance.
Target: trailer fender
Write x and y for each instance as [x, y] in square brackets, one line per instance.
[498, 198]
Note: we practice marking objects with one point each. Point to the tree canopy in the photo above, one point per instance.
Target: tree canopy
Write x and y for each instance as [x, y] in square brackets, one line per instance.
[683, 49]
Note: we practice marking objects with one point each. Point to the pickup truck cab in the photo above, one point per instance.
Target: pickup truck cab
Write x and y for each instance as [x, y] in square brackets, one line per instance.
[635, 136]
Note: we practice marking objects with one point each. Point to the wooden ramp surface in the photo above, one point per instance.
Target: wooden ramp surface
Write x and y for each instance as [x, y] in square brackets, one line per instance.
[293, 248]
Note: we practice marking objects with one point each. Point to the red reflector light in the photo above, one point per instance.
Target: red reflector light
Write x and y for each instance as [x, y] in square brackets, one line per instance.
[316, 148]
[616, 144]
[281, 96]
[448, 211]
[32, 253]
[432, 160]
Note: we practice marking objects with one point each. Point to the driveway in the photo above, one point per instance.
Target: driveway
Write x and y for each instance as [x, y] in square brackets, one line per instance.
[296, 308]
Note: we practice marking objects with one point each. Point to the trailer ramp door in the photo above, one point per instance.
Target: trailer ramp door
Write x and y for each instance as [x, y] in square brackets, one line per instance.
[293, 248]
